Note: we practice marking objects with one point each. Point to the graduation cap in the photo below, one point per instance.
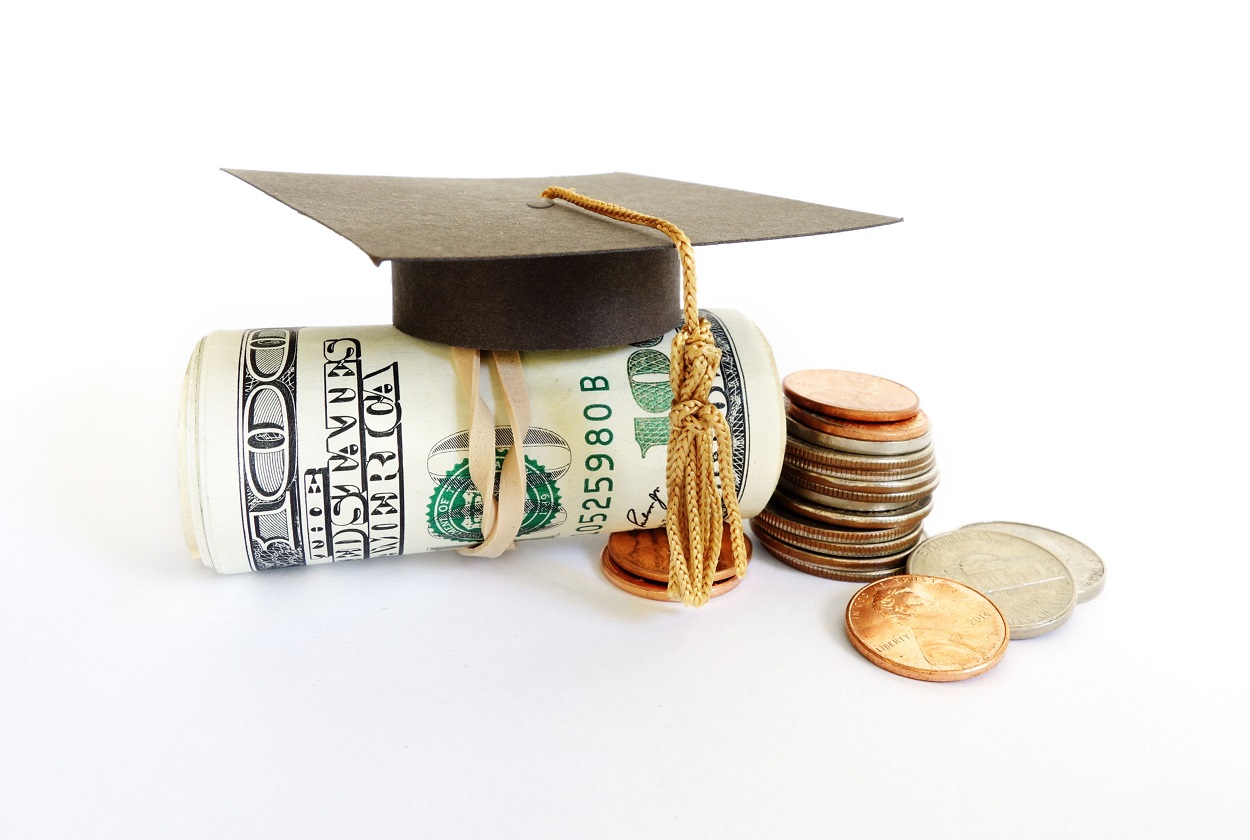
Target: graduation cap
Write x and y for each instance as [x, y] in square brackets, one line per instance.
[505, 265]
[487, 263]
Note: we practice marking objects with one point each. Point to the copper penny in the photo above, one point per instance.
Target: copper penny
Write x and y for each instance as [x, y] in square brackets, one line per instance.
[645, 553]
[913, 427]
[785, 551]
[865, 520]
[851, 396]
[650, 589]
[926, 628]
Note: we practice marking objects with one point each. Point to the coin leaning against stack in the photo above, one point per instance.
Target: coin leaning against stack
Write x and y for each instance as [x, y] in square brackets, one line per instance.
[1036, 576]
[858, 477]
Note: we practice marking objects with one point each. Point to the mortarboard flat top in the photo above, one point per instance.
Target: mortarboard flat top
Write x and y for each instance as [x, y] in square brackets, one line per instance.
[487, 263]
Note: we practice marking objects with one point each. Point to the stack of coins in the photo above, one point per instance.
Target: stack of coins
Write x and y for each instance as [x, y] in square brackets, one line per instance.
[637, 562]
[858, 478]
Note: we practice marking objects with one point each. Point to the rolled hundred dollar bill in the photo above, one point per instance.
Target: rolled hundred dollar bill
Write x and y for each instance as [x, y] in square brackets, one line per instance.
[320, 444]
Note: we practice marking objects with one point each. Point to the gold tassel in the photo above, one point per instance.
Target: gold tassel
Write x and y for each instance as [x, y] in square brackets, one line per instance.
[695, 509]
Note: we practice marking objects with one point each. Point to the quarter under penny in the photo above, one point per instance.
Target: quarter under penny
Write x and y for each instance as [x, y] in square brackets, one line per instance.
[1032, 587]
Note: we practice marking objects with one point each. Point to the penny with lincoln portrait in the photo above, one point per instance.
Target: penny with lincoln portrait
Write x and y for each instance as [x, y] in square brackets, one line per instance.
[851, 395]
[926, 628]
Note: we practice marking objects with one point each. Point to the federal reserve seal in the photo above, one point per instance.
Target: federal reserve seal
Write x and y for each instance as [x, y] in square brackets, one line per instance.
[455, 509]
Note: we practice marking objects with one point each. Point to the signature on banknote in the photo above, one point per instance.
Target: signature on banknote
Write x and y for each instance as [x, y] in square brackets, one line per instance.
[643, 520]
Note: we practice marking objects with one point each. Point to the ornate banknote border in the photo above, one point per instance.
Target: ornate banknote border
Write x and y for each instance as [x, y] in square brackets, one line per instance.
[735, 395]
[267, 449]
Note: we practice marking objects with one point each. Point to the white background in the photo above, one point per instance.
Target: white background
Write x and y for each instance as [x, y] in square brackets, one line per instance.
[1066, 296]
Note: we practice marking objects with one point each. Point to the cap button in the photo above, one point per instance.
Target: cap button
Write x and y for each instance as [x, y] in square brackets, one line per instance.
[540, 203]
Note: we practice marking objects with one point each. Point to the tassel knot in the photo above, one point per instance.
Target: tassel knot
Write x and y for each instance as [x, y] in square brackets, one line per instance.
[699, 473]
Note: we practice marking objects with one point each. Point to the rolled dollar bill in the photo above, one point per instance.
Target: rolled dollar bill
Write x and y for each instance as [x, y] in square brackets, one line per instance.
[320, 444]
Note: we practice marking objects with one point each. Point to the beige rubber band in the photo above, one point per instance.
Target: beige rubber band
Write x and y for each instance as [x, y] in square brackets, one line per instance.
[512, 483]
[502, 517]
[467, 363]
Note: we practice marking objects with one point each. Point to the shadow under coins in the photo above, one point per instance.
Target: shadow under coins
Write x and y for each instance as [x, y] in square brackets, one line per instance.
[835, 615]
[569, 569]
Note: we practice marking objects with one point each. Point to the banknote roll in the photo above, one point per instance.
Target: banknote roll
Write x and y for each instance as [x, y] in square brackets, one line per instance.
[320, 444]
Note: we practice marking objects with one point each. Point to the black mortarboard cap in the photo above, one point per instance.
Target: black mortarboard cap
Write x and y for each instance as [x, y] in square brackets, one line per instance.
[487, 263]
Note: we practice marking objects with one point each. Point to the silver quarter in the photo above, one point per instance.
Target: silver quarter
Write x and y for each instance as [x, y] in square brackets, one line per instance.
[869, 555]
[804, 450]
[798, 560]
[879, 505]
[849, 499]
[856, 488]
[856, 475]
[778, 518]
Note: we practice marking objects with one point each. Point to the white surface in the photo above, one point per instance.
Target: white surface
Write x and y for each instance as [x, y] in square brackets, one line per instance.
[1065, 296]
